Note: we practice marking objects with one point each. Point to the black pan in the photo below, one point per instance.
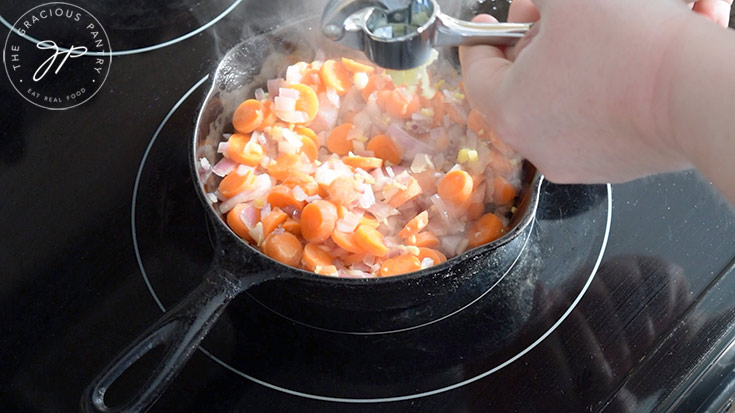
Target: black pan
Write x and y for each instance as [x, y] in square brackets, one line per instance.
[237, 266]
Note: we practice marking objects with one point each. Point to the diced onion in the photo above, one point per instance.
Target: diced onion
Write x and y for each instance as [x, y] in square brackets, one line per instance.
[222, 147]
[224, 167]
[333, 96]
[285, 103]
[259, 94]
[289, 93]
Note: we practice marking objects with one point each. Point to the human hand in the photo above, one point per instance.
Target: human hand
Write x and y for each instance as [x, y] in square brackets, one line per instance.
[581, 95]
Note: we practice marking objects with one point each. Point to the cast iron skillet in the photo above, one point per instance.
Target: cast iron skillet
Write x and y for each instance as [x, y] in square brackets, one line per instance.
[237, 266]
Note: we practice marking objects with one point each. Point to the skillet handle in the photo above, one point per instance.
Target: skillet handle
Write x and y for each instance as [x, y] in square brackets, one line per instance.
[180, 329]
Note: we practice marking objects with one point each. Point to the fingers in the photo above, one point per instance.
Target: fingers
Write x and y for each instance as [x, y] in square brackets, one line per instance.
[716, 10]
[483, 69]
[523, 11]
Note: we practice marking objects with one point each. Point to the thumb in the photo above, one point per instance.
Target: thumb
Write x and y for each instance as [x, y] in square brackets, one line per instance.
[483, 70]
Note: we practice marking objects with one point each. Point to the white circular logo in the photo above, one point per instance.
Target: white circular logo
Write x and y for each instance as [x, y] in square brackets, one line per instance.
[57, 56]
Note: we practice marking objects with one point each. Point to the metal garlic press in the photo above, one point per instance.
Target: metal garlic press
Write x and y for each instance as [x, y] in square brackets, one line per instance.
[400, 34]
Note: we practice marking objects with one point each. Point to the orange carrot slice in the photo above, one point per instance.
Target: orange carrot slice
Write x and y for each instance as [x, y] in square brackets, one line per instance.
[337, 141]
[356, 67]
[370, 240]
[335, 75]
[273, 220]
[235, 183]
[386, 149]
[284, 247]
[415, 225]
[282, 196]
[486, 229]
[365, 162]
[456, 187]
[328, 270]
[283, 165]
[304, 131]
[353, 259]
[343, 190]
[424, 239]
[401, 104]
[315, 257]
[309, 148]
[235, 222]
[307, 102]
[241, 150]
[412, 191]
[248, 116]
[401, 264]
[503, 191]
[318, 220]
[305, 181]
[435, 255]
[293, 226]
[269, 116]
[346, 241]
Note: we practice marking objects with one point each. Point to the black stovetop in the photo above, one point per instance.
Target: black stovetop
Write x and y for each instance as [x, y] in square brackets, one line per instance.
[621, 295]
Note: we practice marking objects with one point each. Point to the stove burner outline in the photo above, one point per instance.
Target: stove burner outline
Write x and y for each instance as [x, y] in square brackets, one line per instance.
[141, 49]
[457, 385]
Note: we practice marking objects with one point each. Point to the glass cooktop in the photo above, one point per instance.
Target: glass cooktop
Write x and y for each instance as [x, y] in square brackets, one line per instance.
[617, 298]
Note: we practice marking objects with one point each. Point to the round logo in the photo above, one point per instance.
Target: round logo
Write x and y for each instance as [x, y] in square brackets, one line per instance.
[57, 55]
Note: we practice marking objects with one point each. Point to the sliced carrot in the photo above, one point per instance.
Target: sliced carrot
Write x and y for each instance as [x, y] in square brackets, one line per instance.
[370, 240]
[346, 241]
[412, 191]
[383, 97]
[305, 181]
[335, 75]
[488, 228]
[337, 141]
[241, 150]
[235, 222]
[293, 226]
[309, 148]
[369, 89]
[234, 183]
[456, 187]
[435, 255]
[283, 247]
[476, 122]
[304, 131]
[365, 162]
[402, 105]
[386, 149]
[328, 270]
[313, 78]
[307, 102]
[269, 116]
[315, 257]
[248, 116]
[283, 165]
[273, 220]
[456, 116]
[401, 264]
[318, 220]
[369, 221]
[282, 196]
[415, 225]
[343, 190]
[475, 210]
[353, 259]
[424, 239]
[356, 67]
[503, 191]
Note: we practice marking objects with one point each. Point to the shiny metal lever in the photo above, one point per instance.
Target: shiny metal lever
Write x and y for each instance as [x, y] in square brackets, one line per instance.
[400, 34]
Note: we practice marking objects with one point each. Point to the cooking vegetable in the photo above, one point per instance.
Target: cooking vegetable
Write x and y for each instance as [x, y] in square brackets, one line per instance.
[345, 169]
